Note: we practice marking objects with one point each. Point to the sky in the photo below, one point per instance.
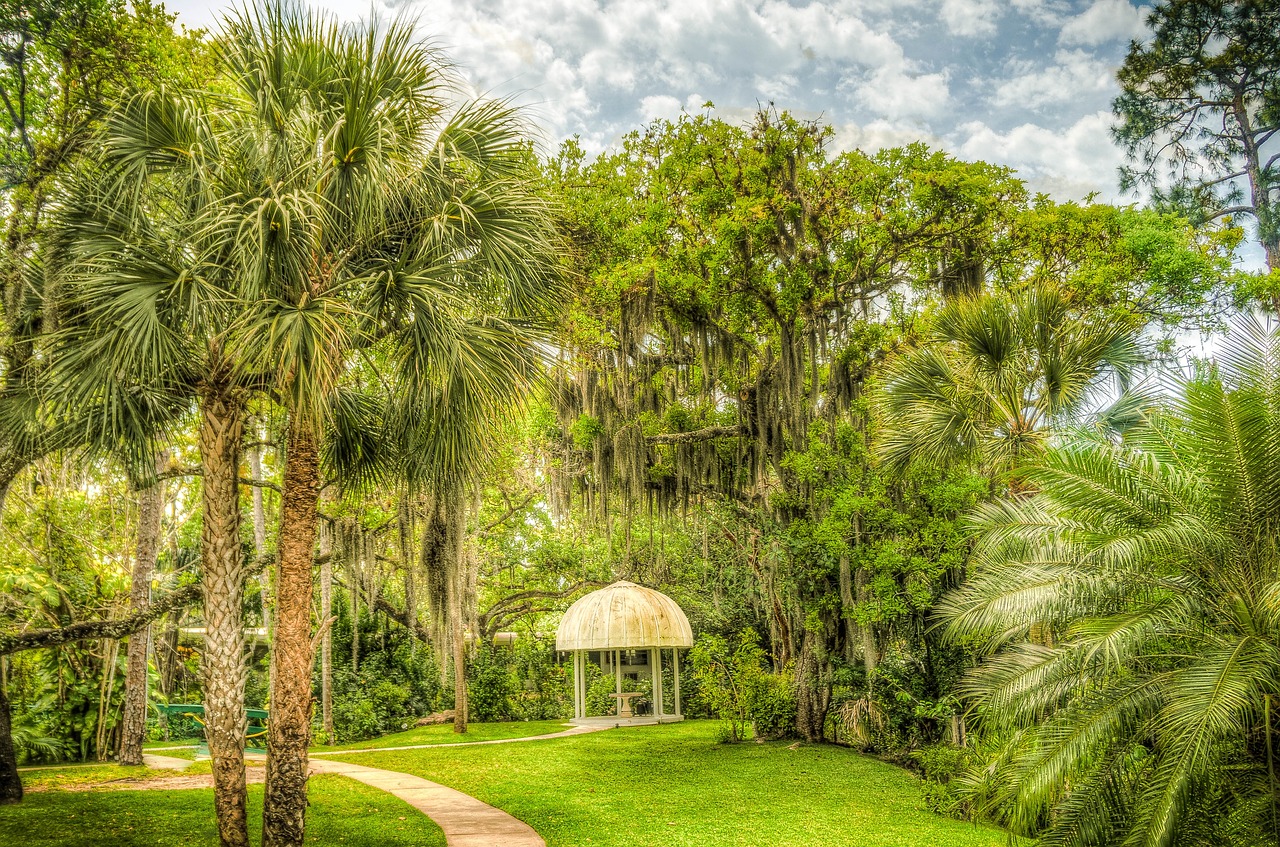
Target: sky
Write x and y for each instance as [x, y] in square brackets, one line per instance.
[1024, 83]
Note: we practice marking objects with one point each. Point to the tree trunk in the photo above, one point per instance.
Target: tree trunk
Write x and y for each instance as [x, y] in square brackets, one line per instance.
[10, 782]
[408, 562]
[870, 651]
[813, 691]
[326, 643]
[459, 671]
[133, 727]
[285, 799]
[221, 427]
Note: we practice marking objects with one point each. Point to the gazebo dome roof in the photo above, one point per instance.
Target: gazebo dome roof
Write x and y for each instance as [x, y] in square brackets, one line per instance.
[621, 616]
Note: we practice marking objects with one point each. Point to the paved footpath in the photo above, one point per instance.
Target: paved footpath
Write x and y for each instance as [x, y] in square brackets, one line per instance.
[465, 820]
[172, 763]
[577, 730]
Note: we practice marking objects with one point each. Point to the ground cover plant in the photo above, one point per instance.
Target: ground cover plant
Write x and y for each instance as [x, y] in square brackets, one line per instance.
[675, 785]
[342, 811]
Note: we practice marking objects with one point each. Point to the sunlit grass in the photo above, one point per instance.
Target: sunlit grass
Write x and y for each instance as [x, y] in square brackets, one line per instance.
[674, 785]
[341, 811]
[444, 734]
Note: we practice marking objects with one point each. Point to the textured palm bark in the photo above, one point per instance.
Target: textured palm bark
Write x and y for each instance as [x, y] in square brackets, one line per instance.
[133, 726]
[285, 802]
[223, 665]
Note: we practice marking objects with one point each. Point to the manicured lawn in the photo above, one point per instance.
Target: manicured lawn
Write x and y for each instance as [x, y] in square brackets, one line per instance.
[177, 742]
[674, 786]
[444, 734]
[41, 778]
[342, 811]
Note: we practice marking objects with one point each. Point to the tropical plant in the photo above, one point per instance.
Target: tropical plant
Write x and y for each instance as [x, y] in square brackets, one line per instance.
[996, 372]
[1146, 713]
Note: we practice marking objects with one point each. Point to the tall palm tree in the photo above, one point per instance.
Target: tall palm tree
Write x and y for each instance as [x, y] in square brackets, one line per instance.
[1150, 720]
[152, 284]
[333, 203]
[996, 371]
[388, 219]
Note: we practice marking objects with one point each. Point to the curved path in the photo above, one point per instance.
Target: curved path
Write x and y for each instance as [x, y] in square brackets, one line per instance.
[564, 733]
[465, 820]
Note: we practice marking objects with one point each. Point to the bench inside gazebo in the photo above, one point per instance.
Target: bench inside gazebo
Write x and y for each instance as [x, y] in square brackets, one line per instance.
[630, 632]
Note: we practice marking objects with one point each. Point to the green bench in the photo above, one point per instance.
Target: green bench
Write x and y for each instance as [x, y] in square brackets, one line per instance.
[255, 735]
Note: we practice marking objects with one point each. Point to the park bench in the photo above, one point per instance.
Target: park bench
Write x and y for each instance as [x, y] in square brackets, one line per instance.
[255, 735]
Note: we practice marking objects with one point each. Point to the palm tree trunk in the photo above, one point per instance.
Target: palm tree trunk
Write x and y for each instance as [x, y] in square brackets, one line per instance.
[221, 427]
[285, 804]
[133, 727]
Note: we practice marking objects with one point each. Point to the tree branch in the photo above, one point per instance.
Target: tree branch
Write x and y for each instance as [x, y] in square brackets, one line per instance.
[706, 434]
[35, 639]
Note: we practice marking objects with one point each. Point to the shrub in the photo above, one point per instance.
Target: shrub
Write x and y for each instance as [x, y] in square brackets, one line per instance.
[490, 685]
[734, 684]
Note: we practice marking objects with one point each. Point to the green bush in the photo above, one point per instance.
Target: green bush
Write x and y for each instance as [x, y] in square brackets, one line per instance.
[355, 720]
[490, 685]
[939, 765]
[735, 685]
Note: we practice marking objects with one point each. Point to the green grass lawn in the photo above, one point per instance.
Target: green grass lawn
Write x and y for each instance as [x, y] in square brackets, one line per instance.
[444, 734]
[342, 811]
[177, 742]
[674, 786]
[42, 778]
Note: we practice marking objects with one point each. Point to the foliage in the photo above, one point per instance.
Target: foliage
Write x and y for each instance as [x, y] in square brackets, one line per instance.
[736, 686]
[997, 374]
[1128, 609]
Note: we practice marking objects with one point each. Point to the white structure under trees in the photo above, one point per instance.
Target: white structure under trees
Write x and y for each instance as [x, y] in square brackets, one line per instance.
[628, 630]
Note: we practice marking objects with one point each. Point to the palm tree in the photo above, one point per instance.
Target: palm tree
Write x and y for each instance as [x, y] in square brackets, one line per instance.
[996, 371]
[1153, 559]
[386, 220]
[152, 285]
[331, 205]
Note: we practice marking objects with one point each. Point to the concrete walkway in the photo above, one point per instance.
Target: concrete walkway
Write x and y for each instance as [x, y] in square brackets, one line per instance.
[577, 730]
[171, 763]
[465, 820]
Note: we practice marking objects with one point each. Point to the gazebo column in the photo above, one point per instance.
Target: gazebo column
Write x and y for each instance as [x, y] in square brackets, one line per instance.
[655, 675]
[675, 670]
[579, 670]
[617, 677]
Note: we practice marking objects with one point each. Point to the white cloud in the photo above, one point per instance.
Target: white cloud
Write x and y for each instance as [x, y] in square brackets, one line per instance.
[668, 108]
[970, 17]
[1105, 20]
[1075, 73]
[1066, 164]
[898, 94]
[877, 135]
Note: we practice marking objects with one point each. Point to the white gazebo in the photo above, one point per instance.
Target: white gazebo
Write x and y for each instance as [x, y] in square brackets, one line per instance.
[625, 625]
